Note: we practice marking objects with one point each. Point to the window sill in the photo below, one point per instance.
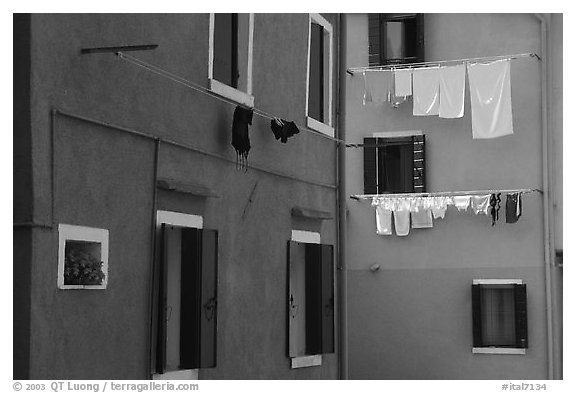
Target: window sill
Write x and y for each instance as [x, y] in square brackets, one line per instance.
[306, 361]
[177, 375]
[318, 126]
[231, 93]
[500, 351]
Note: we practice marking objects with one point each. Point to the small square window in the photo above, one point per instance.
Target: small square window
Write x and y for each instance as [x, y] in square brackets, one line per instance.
[82, 257]
[499, 316]
[395, 38]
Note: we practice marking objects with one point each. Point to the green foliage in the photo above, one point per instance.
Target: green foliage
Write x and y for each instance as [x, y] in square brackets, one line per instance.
[81, 268]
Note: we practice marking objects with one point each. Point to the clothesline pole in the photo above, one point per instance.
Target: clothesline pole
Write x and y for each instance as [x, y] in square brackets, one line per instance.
[444, 193]
[354, 70]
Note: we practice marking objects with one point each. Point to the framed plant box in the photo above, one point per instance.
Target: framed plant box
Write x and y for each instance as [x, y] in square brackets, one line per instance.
[82, 257]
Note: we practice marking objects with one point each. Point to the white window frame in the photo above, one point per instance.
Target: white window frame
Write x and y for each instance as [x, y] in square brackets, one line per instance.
[325, 128]
[239, 96]
[87, 234]
[312, 360]
[182, 220]
[498, 350]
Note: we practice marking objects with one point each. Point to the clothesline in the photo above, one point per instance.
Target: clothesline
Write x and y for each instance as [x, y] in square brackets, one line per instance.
[175, 78]
[445, 193]
[354, 70]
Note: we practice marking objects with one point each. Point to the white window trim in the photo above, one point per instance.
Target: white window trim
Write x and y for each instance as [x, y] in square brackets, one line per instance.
[189, 221]
[397, 134]
[87, 234]
[241, 97]
[325, 128]
[496, 281]
[313, 360]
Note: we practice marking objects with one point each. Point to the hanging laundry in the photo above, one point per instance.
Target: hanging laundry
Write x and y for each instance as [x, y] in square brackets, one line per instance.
[383, 220]
[403, 82]
[377, 87]
[240, 137]
[462, 202]
[440, 205]
[425, 91]
[481, 204]
[402, 217]
[422, 218]
[452, 83]
[490, 99]
[283, 129]
[513, 207]
[495, 205]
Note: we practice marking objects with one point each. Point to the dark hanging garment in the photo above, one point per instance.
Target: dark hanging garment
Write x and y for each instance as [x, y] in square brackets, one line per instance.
[283, 129]
[513, 207]
[240, 137]
[495, 207]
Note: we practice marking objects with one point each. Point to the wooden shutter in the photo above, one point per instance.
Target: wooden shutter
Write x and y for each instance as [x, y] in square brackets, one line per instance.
[209, 298]
[477, 315]
[296, 299]
[327, 306]
[370, 171]
[374, 40]
[521, 315]
[419, 163]
[163, 294]
[420, 37]
[316, 76]
[313, 299]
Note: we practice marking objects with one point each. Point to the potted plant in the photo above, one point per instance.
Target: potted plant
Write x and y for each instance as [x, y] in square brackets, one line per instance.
[82, 268]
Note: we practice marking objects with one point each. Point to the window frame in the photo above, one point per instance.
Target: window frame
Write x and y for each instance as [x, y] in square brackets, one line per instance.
[496, 350]
[245, 98]
[382, 39]
[323, 127]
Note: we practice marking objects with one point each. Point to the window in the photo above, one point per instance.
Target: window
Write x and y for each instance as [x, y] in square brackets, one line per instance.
[395, 38]
[230, 56]
[82, 257]
[499, 316]
[394, 164]
[319, 77]
[310, 297]
[186, 301]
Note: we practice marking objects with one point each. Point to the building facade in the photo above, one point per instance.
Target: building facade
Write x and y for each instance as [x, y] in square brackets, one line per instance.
[119, 155]
[410, 303]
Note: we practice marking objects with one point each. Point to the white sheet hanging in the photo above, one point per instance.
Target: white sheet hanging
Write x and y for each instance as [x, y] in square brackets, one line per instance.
[426, 91]
[403, 82]
[377, 87]
[452, 84]
[490, 99]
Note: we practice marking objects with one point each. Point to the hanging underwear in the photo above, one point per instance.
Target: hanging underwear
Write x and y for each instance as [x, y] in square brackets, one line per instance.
[283, 129]
[240, 137]
[422, 218]
[481, 204]
[439, 206]
[383, 220]
[495, 205]
[402, 217]
[513, 207]
[462, 202]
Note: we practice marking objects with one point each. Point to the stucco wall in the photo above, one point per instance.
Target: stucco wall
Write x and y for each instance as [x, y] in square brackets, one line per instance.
[104, 179]
[416, 311]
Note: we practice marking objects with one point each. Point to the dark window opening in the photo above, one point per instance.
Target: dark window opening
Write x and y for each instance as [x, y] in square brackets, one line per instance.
[499, 315]
[316, 77]
[226, 49]
[395, 38]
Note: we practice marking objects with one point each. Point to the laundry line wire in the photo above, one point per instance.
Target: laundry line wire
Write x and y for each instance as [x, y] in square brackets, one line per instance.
[446, 193]
[178, 79]
[354, 70]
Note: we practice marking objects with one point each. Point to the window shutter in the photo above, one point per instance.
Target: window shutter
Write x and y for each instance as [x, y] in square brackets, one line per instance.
[374, 35]
[370, 172]
[477, 315]
[296, 299]
[521, 315]
[190, 310]
[313, 299]
[327, 254]
[162, 298]
[419, 163]
[420, 35]
[208, 298]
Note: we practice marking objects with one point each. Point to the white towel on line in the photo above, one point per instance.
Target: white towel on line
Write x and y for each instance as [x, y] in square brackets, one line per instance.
[403, 82]
[377, 87]
[426, 91]
[452, 84]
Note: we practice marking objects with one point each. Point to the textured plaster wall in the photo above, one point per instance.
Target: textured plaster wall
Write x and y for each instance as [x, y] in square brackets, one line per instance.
[104, 179]
[412, 319]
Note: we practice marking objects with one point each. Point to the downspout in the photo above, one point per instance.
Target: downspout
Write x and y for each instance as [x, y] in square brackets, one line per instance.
[547, 196]
[341, 171]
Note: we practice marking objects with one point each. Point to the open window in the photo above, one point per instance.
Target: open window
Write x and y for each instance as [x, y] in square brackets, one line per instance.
[310, 299]
[230, 56]
[499, 317]
[394, 164]
[186, 298]
[395, 38]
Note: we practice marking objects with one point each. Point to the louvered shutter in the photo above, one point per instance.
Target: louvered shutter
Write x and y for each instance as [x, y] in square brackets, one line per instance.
[370, 168]
[374, 40]
[420, 37]
[477, 315]
[296, 299]
[419, 167]
[327, 301]
[521, 315]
